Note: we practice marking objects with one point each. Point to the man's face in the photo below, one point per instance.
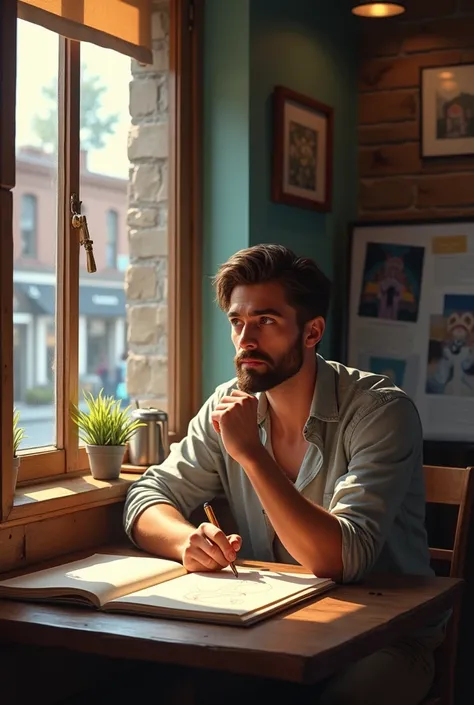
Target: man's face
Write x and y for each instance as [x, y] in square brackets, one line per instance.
[267, 338]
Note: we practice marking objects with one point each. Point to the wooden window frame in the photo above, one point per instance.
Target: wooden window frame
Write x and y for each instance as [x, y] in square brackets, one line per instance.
[184, 238]
[184, 213]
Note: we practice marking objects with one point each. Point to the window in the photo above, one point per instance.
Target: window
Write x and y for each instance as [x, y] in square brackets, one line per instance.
[65, 328]
[112, 239]
[35, 274]
[105, 121]
[28, 224]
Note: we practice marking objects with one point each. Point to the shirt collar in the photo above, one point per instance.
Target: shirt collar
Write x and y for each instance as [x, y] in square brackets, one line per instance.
[324, 405]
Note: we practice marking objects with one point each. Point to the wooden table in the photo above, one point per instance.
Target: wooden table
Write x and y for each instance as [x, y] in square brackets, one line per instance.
[303, 645]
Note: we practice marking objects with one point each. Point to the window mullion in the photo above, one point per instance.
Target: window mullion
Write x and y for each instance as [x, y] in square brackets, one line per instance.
[7, 181]
[68, 251]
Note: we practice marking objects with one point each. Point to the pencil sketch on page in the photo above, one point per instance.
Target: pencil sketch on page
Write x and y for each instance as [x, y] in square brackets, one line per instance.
[227, 591]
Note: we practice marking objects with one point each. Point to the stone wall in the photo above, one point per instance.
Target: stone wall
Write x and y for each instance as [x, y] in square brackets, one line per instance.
[395, 182]
[146, 284]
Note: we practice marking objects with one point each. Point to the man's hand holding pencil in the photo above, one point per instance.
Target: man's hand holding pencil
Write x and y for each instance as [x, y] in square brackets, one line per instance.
[209, 549]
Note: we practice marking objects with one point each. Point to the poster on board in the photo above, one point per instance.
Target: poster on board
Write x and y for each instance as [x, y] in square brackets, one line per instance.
[411, 317]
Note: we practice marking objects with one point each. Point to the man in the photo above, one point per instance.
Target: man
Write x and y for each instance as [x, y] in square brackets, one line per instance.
[321, 464]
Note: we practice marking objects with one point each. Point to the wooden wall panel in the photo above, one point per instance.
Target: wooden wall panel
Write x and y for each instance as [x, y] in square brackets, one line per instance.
[23, 546]
[7, 92]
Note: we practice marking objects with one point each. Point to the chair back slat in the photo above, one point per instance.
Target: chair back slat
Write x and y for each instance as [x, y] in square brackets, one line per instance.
[444, 485]
[452, 486]
[441, 554]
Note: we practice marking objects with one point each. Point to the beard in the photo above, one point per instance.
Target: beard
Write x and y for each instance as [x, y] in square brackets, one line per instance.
[252, 380]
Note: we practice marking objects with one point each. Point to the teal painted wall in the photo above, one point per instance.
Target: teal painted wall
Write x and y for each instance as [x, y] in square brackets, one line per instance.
[226, 167]
[251, 46]
[309, 47]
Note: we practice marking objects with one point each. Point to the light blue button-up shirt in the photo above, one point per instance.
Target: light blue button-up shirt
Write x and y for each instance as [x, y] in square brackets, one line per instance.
[363, 465]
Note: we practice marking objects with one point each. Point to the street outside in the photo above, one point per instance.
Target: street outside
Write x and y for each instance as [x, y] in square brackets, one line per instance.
[39, 423]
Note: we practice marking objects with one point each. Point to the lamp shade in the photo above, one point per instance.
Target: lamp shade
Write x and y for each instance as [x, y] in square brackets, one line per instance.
[378, 9]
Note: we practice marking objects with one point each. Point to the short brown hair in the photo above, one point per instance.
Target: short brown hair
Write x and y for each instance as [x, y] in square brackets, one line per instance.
[306, 287]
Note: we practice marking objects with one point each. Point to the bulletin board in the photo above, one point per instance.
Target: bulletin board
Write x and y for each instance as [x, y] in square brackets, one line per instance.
[411, 316]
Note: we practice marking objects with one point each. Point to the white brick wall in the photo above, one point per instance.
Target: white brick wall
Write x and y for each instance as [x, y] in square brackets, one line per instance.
[146, 279]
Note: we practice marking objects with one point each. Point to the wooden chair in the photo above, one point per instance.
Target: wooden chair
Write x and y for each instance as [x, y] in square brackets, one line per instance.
[450, 486]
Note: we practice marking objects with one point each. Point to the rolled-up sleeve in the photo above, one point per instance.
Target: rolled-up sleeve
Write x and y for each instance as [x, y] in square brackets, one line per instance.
[384, 449]
[189, 475]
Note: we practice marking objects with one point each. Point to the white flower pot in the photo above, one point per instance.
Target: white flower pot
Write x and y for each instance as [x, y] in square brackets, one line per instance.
[105, 461]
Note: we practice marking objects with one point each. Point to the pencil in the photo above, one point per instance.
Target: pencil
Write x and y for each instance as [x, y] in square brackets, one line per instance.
[213, 519]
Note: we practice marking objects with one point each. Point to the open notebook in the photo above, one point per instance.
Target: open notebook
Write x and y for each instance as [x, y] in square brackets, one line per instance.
[162, 588]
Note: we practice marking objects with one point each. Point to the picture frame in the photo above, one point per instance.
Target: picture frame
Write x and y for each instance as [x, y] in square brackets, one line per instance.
[410, 316]
[302, 151]
[447, 111]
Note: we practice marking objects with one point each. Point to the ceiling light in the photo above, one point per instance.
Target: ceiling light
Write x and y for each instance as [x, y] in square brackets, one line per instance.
[378, 9]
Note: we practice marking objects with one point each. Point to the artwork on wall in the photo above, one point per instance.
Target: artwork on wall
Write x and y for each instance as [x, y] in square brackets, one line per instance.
[447, 110]
[302, 151]
[411, 317]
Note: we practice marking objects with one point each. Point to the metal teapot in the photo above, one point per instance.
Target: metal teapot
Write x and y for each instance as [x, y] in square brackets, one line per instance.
[149, 444]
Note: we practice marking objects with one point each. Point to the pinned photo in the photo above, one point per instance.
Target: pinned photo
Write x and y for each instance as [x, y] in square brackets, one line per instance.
[391, 284]
[404, 372]
[451, 349]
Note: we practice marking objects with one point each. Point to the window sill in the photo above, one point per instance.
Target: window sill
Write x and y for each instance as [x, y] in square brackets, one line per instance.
[67, 493]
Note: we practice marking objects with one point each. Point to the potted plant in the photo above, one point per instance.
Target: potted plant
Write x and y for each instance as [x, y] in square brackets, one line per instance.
[18, 436]
[105, 429]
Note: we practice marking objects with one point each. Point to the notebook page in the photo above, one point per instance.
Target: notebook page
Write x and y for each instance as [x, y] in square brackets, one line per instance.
[103, 575]
[222, 592]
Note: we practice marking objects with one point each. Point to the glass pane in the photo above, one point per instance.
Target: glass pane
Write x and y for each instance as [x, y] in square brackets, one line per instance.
[105, 122]
[35, 233]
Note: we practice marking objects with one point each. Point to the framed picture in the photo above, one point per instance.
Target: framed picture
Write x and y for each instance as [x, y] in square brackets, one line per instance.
[410, 316]
[302, 151]
[447, 111]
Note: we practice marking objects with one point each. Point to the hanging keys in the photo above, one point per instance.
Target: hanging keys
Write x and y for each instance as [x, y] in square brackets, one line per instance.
[79, 222]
